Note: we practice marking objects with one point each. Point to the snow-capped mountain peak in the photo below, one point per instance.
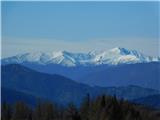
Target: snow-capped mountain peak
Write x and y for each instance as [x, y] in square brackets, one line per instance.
[113, 56]
[119, 50]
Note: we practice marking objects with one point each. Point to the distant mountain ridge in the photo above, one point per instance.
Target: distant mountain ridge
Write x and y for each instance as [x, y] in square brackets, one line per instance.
[12, 96]
[150, 101]
[58, 88]
[140, 74]
[111, 57]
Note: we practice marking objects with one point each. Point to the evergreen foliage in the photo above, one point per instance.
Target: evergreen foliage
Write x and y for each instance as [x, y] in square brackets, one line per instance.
[101, 108]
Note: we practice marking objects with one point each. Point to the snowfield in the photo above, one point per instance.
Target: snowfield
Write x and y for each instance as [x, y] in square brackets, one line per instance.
[112, 57]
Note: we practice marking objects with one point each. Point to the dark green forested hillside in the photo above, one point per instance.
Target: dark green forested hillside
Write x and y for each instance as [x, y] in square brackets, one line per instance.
[101, 108]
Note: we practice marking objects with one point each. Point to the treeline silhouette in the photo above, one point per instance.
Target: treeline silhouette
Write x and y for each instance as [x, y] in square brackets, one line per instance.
[101, 108]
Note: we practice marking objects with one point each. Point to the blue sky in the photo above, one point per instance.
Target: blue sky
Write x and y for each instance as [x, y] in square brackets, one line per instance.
[79, 26]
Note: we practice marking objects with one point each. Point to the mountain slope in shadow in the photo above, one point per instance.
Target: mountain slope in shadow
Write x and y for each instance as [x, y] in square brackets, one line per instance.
[141, 74]
[60, 89]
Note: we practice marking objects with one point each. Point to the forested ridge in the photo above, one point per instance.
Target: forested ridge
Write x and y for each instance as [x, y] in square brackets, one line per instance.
[101, 108]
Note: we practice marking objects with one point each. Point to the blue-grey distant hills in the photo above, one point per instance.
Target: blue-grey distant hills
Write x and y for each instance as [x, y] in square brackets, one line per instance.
[150, 101]
[12, 96]
[115, 67]
[141, 74]
[26, 82]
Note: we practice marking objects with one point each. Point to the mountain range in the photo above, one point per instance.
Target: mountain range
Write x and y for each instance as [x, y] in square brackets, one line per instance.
[64, 77]
[149, 101]
[140, 74]
[96, 68]
[31, 84]
[111, 57]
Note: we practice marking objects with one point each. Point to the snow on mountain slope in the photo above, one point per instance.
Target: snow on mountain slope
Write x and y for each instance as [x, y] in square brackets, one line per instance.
[112, 57]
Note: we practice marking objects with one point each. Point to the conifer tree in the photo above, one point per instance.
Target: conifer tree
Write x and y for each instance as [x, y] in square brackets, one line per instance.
[6, 111]
[85, 108]
[71, 113]
[21, 112]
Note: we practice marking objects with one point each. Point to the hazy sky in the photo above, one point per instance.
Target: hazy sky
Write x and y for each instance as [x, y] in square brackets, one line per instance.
[79, 26]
